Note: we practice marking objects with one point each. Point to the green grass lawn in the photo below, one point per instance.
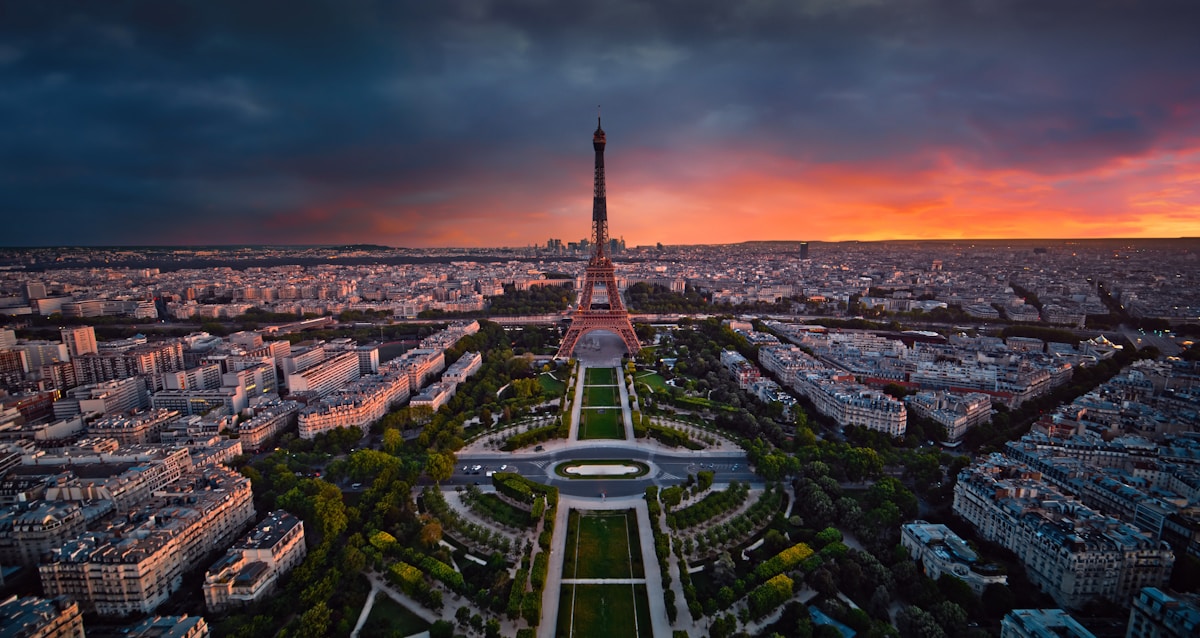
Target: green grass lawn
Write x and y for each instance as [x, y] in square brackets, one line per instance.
[551, 384]
[654, 380]
[600, 396]
[601, 376]
[603, 611]
[603, 545]
[388, 618]
[601, 424]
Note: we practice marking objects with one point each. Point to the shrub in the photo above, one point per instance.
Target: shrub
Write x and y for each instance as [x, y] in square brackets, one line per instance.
[783, 561]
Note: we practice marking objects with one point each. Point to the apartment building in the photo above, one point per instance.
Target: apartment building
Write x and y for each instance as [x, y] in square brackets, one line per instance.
[852, 404]
[169, 627]
[269, 420]
[137, 428]
[126, 477]
[1042, 623]
[34, 617]
[1157, 614]
[191, 402]
[468, 364]
[421, 365]
[133, 565]
[1074, 553]
[149, 359]
[106, 397]
[252, 567]
[941, 551]
[358, 405]
[957, 413]
[325, 377]
[434, 396]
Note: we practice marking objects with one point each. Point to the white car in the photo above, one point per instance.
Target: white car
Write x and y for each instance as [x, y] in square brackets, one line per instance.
[503, 467]
[476, 468]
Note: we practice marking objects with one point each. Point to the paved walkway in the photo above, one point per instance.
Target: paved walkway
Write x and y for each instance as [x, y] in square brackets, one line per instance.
[366, 610]
[603, 581]
[455, 502]
[626, 412]
[577, 404]
[558, 549]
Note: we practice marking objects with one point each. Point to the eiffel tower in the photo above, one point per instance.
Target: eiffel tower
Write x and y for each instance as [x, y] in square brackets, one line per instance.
[604, 311]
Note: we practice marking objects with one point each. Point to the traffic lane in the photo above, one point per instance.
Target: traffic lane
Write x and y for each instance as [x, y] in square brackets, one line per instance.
[664, 475]
[601, 452]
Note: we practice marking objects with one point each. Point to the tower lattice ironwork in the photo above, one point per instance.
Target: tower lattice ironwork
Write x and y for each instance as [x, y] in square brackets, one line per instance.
[595, 312]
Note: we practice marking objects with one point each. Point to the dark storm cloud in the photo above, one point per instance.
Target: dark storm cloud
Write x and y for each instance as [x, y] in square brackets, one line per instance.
[173, 122]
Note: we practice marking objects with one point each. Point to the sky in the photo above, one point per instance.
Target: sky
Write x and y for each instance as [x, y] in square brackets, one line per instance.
[469, 122]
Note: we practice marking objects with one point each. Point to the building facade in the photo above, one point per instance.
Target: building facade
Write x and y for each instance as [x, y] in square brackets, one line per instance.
[252, 567]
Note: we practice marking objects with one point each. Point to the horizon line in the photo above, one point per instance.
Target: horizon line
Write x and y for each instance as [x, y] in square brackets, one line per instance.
[524, 246]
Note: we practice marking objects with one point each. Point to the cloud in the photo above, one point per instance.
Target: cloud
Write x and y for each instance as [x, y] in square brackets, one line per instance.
[422, 123]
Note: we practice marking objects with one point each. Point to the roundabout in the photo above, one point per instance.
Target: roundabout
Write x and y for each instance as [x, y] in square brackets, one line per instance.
[665, 466]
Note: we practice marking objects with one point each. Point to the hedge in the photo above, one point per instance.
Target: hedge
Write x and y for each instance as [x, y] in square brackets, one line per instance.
[521, 489]
[517, 594]
[783, 561]
[769, 596]
[536, 435]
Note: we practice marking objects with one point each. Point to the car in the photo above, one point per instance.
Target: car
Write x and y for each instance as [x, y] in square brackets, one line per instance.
[477, 468]
[503, 467]
[538, 449]
[466, 469]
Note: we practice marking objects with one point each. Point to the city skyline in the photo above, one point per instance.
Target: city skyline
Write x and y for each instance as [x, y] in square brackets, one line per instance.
[457, 124]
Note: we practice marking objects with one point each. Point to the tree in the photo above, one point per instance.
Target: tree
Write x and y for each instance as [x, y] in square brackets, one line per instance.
[441, 629]
[913, 622]
[439, 466]
[880, 603]
[823, 582]
[431, 533]
[958, 592]
[998, 600]
[314, 623]
[950, 617]
[723, 569]
[392, 441]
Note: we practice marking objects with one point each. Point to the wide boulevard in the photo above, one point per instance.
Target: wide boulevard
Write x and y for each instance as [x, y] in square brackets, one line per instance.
[666, 468]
